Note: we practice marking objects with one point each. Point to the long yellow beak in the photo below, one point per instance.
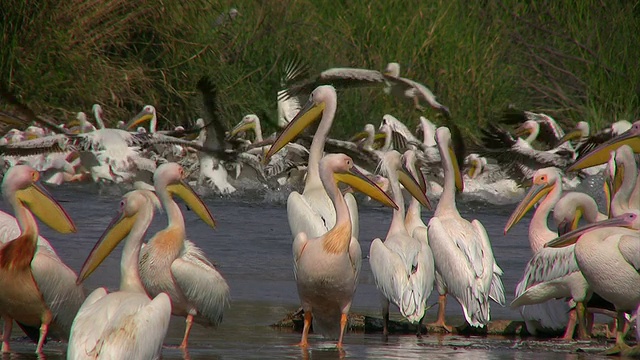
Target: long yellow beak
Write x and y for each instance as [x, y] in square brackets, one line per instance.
[359, 136]
[360, 182]
[142, 116]
[46, 208]
[117, 230]
[307, 115]
[522, 131]
[240, 128]
[413, 187]
[575, 134]
[473, 169]
[456, 170]
[534, 195]
[195, 203]
[570, 238]
[600, 155]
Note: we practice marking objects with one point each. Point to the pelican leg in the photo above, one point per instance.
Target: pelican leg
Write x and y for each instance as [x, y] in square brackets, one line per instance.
[581, 313]
[571, 325]
[620, 346]
[343, 326]
[442, 305]
[419, 331]
[185, 340]
[385, 319]
[304, 342]
[6, 333]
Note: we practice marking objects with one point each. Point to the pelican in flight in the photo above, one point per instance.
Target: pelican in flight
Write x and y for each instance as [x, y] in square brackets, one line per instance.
[327, 266]
[170, 263]
[402, 265]
[550, 271]
[125, 324]
[608, 254]
[461, 249]
[38, 289]
[312, 212]
[600, 154]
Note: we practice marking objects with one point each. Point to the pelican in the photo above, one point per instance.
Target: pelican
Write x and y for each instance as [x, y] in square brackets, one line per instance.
[600, 154]
[551, 273]
[591, 142]
[623, 166]
[38, 290]
[172, 264]
[97, 113]
[608, 254]
[572, 207]
[148, 113]
[312, 211]
[327, 266]
[402, 266]
[125, 324]
[461, 249]
[476, 165]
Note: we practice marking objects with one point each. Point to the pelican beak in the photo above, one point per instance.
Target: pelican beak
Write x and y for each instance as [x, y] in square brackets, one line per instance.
[46, 208]
[600, 155]
[570, 238]
[618, 178]
[359, 136]
[522, 131]
[456, 170]
[413, 187]
[142, 116]
[195, 203]
[117, 230]
[575, 134]
[473, 169]
[242, 126]
[307, 115]
[608, 194]
[537, 192]
[358, 181]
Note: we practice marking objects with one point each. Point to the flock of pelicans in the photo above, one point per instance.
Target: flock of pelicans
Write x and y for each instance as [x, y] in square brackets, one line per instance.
[170, 275]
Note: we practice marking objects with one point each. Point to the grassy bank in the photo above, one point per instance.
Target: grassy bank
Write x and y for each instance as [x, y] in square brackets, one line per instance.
[574, 61]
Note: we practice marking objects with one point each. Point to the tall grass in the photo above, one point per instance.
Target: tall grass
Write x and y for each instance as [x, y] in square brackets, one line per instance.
[575, 61]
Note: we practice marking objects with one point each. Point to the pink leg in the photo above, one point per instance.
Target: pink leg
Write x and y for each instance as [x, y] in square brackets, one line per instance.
[187, 331]
[343, 326]
[304, 342]
[442, 305]
[571, 326]
[44, 329]
[6, 336]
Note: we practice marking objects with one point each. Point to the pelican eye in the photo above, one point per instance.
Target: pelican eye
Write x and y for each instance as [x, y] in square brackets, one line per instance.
[543, 178]
[35, 176]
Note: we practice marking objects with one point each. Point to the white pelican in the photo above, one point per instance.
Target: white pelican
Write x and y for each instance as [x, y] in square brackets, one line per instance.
[551, 273]
[327, 266]
[608, 254]
[402, 266]
[476, 165]
[624, 173]
[591, 142]
[600, 154]
[148, 113]
[461, 249]
[572, 207]
[38, 290]
[97, 113]
[312, 211]
[172, 264]
[125, 324]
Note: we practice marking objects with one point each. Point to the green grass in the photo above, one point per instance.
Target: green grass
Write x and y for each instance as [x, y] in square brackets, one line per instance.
[574, 61]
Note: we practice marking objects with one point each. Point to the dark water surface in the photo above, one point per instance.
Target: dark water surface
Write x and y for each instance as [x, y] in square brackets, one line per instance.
[252, 247]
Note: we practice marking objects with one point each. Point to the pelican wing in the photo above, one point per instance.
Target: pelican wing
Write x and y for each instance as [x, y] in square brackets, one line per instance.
[299, 243]
[313, 220]
[120, 325]
[355, 255]
[57, 284]
[496, 291]
[594, 141]
[415, 89]
[340, 78]
[366, 159]
[388, 271]
[629, 247]
[43, 145]
[546, 265]
[201, 283]
[216, 130]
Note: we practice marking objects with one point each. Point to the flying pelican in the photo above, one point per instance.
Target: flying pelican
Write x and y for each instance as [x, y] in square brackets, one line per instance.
[38, 290]
[553, 269]
[600, 154]
[461, 249]
[125, 324]
[327, 266]
[312, 211]
[402, 266]
[172, 264]
[608, 254]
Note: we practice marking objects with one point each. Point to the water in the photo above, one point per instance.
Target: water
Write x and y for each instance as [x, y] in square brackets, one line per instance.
[252, 247]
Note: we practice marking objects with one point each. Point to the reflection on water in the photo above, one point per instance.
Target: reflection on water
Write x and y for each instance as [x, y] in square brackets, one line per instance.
[252, 247]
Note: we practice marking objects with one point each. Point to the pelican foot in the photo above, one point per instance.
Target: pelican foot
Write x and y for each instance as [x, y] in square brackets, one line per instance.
[441, 324]
[617, 349]
[302, 344]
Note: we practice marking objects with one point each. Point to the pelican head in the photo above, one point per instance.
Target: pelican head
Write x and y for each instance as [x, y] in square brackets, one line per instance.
[20, 186]
[428, 130]
[544, 180]
[170, 177]
[412, 179]
[392, 70]
[630, 220]
[476, 165]
[308, 114]
[248, 122]
[579, 132]
[119, 228]
[443, 139]
[97, 110]
[527, 128]
[345, 171]
[121, 125]
[148, 113]
[600, 155]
